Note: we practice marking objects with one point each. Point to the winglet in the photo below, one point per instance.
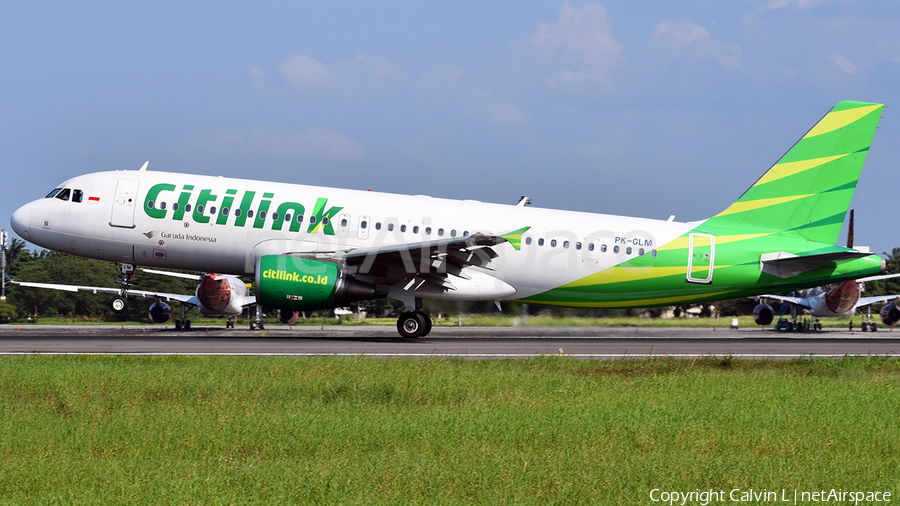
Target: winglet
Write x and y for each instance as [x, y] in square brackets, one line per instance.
[514, 238]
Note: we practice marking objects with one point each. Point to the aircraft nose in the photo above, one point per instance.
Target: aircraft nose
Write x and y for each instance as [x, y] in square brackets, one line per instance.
[21, 221]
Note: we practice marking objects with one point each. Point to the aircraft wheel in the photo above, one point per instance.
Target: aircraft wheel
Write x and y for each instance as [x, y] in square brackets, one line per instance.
[179, 325]
[427, 323]
[873, 327]
[411, 324]
[118, 304]
[187, 325]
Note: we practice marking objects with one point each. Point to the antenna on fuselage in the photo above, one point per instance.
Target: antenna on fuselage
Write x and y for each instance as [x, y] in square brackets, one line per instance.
[144, 167]
[523, 201]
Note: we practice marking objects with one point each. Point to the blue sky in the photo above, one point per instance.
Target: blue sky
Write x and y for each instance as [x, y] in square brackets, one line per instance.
[644, 108]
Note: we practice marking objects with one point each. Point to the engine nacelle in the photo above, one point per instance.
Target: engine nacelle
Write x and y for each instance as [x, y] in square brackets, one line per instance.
[763, 314]
[160, 312]
[288, 317]
[214, 292]
[890, 315]
[302, 284]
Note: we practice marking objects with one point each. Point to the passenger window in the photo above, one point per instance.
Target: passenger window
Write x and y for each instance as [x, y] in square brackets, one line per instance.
[615, 249]
[577, 245]
[212, 210]
[528, 240]
[363, 224]
[377, 225]
[274, 216]
[325, 220]
[541, 241]
[249, 213]
[344, 222]
[416, 229]
[453, 233]
[312, 220]
[77, 195]
[641, 252]
[653, 253]
[53, 193]
[299, 218]
[287, 216]
[150, 204]
[162, 205]
[566, 244]
[390, 227]
[403, 228]
[427, 230]
[440, 232]
[175, 208]
[64, 195]
[628, 250]
[553, 243]
[200, 209]
[591, 247]
[237, 212]
[466, 233]
[224, 211]
[262, 215]
[187, 209]
[602, 248]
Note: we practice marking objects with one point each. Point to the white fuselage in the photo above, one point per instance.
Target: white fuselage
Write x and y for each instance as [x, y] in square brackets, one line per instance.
[116, 221]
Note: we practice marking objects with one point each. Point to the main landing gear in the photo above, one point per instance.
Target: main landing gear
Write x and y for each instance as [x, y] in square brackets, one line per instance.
[257, 323]
[414, 324]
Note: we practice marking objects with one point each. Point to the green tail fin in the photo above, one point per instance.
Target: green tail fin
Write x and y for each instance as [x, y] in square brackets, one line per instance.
[808, 191]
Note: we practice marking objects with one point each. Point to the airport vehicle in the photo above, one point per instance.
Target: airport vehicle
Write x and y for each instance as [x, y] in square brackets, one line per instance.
[310, 247]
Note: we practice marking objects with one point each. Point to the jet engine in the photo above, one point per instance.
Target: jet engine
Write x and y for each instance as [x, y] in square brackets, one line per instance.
[221, 294]
[890, 315]
[763, 314]
[302, 284]
[288, 317]
[160, 312]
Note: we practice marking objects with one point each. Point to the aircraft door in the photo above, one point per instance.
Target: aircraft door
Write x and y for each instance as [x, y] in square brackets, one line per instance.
[124, 204]
[701, 258]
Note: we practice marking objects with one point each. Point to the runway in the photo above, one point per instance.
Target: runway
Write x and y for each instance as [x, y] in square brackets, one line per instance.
[448, 342]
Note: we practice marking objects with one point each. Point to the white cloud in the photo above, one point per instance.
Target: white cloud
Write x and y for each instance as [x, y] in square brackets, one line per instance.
[687, 40]
[314, 143]
[585, 32]
[842, 62]
[301, 71]
[363, 71]
[258, 78]
[572, 81]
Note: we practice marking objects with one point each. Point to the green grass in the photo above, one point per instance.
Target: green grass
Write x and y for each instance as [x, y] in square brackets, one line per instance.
[242, 430]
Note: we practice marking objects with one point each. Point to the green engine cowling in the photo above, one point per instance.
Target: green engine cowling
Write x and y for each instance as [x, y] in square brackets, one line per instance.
[302, 284]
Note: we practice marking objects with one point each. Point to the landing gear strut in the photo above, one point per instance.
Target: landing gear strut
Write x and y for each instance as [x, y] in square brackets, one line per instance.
[119, 304]
[257, 323]
[182, 323]
[869, 325]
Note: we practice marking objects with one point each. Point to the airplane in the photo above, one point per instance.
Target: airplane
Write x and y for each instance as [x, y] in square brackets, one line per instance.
[216, 295]
[311, 247]
[837, 300]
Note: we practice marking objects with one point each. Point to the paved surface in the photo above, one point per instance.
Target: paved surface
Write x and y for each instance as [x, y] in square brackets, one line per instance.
[468, 342]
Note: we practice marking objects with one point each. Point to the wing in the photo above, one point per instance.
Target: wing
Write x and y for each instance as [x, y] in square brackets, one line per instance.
[432, 268]
[797, 301]
[187, 299]
[865, 301]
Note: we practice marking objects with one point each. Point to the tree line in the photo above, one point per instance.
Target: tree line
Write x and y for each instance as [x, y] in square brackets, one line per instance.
[45, 266]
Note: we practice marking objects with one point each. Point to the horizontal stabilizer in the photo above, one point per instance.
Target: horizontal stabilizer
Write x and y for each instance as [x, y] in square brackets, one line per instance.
[787, 265]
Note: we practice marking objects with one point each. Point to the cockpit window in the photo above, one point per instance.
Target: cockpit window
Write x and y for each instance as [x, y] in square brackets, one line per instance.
[53, 193]
[64, 194]
[77, 195]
